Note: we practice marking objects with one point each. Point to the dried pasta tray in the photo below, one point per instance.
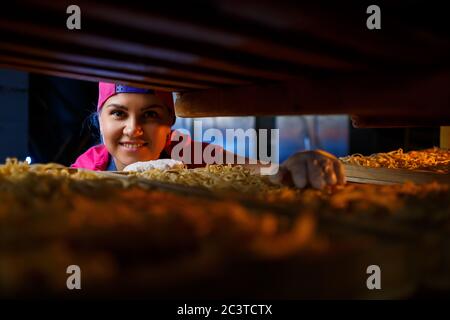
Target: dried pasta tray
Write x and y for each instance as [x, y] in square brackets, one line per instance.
[361, 174]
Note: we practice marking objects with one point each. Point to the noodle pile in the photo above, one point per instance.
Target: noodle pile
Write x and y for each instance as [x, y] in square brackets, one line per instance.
[52, 217]
[214, 177]
[125, 236]
[16, 170]
[434, 159]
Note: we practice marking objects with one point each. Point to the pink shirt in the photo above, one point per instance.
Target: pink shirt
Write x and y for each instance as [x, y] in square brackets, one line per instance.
[97, 157]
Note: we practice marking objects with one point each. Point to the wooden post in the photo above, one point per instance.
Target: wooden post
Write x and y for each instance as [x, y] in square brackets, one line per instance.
[445, 138]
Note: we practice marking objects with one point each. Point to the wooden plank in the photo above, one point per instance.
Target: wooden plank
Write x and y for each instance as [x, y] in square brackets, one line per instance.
[214, 28]
[412, 33]
[445, 138]
[125, 63]
[255, 45]
[367, 94]
[363, 174]
[139, 47]
[298, 33]
[237, 41]
[82, 76]
[67, 67]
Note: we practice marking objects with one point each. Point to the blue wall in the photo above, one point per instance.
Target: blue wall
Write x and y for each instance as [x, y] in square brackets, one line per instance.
[14, 114]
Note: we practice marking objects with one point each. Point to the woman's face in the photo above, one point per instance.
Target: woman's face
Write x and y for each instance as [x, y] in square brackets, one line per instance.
[135, 127]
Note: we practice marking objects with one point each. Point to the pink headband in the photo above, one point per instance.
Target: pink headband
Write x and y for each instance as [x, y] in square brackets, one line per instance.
[106, 90]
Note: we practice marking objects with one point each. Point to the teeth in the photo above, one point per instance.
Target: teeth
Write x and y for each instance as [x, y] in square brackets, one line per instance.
[132, 146]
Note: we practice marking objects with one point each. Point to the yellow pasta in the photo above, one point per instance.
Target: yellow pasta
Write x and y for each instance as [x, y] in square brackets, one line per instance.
[215, 177]
[14, 169]
[433, 159]
[52, 216]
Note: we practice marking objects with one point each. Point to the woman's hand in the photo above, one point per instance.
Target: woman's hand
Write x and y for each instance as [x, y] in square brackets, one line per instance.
[316, 168]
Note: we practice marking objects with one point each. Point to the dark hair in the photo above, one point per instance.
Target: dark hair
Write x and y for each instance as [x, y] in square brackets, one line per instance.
[92, 124]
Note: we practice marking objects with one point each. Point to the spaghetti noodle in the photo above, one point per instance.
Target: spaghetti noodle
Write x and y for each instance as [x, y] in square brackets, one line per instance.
[433, 159]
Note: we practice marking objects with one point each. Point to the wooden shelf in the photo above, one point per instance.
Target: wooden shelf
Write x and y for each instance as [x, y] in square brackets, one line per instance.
[362, 174]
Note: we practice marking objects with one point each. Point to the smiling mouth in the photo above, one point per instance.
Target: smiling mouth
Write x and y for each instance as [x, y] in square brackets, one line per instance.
[133, 146]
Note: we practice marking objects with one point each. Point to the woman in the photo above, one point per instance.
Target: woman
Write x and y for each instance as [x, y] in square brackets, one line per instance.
[135, 126]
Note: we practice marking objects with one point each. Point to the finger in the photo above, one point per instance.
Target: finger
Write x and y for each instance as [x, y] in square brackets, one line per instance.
[339, 170]
[299, 175]
[315, 174]
[276, 178]
[279, 177]
[330, 175]
[322, 154]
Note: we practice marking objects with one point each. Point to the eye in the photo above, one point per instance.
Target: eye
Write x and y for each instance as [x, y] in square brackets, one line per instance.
[151, 115]
[118, 114]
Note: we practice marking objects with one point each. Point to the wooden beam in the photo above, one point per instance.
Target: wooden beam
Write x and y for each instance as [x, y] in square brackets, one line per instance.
[104, 59]
[413, 33]
[145, 47]
[286, 59]
[368, 94]
[445, 137]
[81, 76]
[97, 72]
[234, 40]
[215, 29]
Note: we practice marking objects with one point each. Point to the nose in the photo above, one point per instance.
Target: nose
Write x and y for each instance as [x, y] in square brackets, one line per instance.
[133, 129]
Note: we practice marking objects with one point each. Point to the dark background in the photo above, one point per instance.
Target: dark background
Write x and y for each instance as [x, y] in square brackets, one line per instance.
[59, 118]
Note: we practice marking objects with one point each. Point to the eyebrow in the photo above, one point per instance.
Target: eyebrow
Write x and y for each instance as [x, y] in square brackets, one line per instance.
[153, 106]
[120, 106]
[115, 105]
